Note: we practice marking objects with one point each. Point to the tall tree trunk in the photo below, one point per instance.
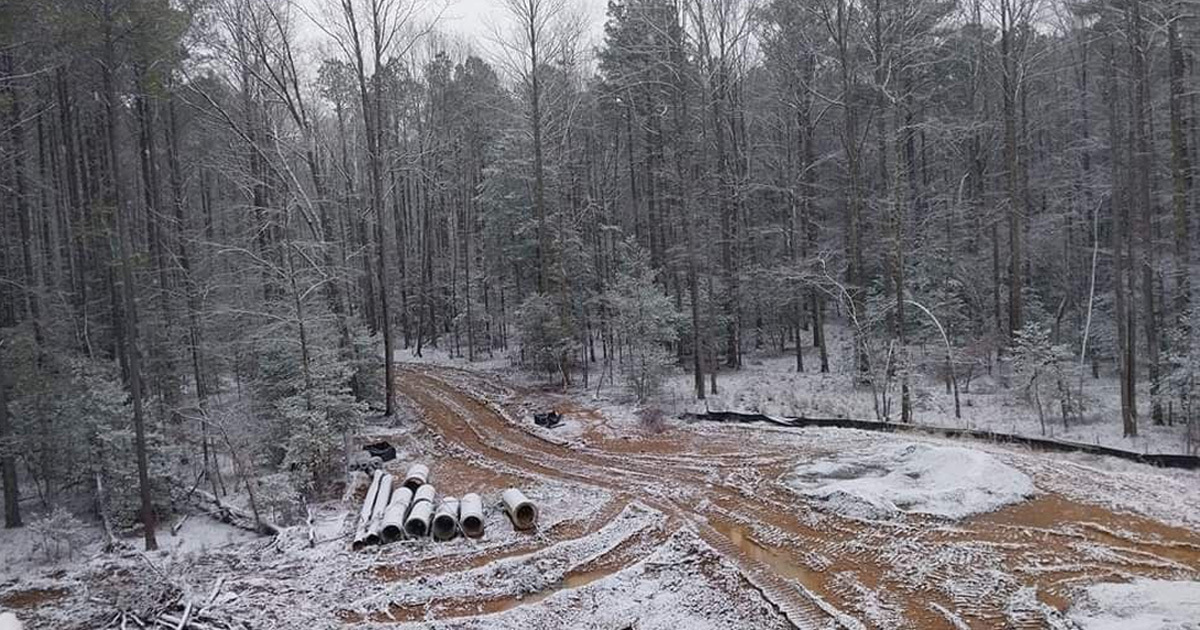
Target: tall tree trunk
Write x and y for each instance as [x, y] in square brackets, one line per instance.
[191, 291]
[129, 316]
[32, 281]
[8, 459]
[163, 363]
[1180, 178]
[898, 221]
[1016, 198]
[1118, 204]
[1143, 158]
[371, 100]
[534, 19]
[855, 273]
[32, 288]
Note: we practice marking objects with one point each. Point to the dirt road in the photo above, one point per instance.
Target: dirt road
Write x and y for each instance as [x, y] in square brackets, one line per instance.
[1014, 568]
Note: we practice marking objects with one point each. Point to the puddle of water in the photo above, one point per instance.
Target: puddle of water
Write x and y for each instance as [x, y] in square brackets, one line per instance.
[779, 562]
[572, 580]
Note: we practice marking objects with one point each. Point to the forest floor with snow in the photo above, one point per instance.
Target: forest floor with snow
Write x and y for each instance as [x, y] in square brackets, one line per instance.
[650, 522]
[769, 384]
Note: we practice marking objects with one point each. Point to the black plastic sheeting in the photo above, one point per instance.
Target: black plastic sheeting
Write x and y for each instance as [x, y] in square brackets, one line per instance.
[383, 450]
[549, 419]
[1190, 462]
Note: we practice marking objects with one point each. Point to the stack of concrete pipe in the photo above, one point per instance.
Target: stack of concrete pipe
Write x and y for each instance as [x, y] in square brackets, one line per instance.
[382, 497]
[417, 476]
[368, 508]
[470, 515]
[393, 516]
[416, 525]
[445, 520]
[395, 508]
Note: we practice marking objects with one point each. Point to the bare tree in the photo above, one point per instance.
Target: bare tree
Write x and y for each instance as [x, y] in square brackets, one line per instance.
[371, 33]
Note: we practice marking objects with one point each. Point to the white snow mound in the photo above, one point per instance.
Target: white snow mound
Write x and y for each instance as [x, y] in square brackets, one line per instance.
[1139, 605]
[911, 477]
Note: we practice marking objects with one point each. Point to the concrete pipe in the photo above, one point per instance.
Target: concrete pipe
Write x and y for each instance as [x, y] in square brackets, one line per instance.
[417, 475]
[424, 493]
[521, 510]
[364, 515]
[381, 503]
[393, 516]
[445, 520]
[470, 515]
[417, 523]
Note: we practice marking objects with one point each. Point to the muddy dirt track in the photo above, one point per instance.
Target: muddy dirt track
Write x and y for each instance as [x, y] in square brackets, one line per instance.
[1014, 568]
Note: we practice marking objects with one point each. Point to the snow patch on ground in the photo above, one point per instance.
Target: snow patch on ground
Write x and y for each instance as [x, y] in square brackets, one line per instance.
[769, 384]
[1139, 605]
[683, 583]
[200, 534]
[9, 621]
[916, 478]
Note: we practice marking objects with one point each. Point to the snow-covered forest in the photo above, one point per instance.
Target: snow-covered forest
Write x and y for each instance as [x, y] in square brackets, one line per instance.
[241, 238]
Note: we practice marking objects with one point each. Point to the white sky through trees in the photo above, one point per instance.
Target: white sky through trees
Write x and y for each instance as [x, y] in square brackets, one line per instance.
[477, 23]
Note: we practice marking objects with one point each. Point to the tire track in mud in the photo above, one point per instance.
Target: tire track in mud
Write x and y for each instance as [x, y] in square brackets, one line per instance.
[817, 567]
[446, 410]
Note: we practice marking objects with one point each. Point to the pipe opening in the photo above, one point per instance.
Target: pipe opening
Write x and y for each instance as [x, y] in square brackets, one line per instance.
[391, 532]
[524, 515]
[521, 510]
[472, 526]
[415, 529]
[444, 527]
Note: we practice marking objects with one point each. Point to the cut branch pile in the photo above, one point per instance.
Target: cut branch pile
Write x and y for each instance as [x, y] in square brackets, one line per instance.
[181, 614]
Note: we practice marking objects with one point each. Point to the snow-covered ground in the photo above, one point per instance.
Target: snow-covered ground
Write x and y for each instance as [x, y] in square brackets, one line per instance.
[967, 529]
[911, 477]
[1139, 605]
[769, 384]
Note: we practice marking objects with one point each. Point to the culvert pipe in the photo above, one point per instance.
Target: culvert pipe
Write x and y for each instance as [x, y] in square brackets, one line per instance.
[424, 493]
[364, 515]
[417, 476]
[381, 502]
[520, 509]
[393, 516]
[445, 520]
[470, 515]
[417, 523]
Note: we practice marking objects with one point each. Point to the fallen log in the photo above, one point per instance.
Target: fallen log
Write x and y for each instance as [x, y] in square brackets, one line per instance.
[236, 516]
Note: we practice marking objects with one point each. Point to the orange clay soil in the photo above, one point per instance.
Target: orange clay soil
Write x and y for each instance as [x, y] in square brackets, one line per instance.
[909, 572]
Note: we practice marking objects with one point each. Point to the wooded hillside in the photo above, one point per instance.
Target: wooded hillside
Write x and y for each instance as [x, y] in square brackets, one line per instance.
[218, 216]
